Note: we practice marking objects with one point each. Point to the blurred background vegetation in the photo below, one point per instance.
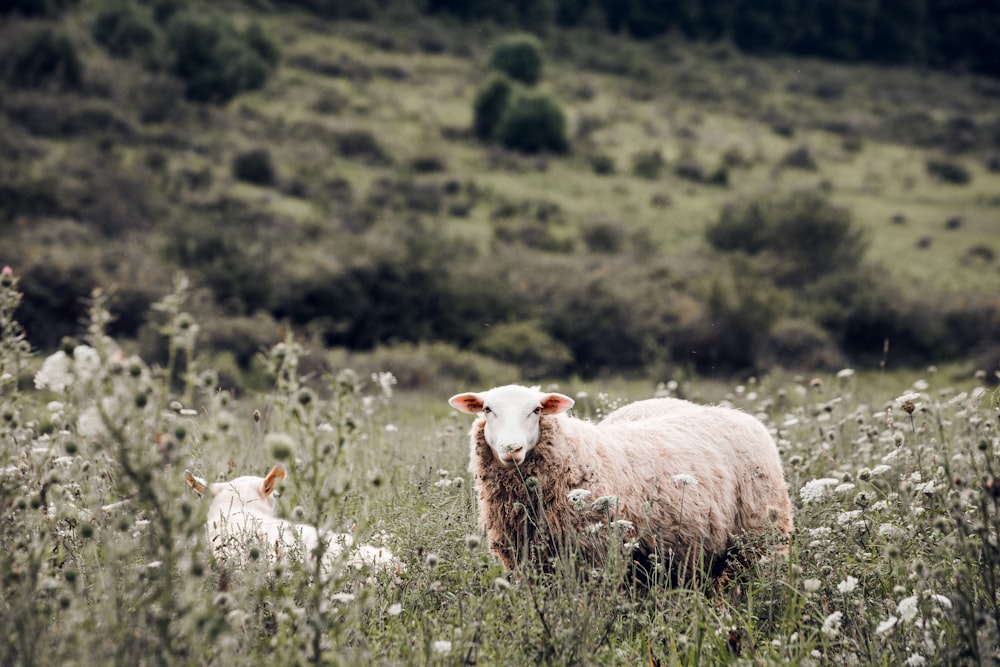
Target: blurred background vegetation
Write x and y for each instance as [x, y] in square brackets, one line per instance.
[492, 190]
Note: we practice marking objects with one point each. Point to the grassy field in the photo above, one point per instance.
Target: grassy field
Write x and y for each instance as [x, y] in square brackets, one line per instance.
[103, 556]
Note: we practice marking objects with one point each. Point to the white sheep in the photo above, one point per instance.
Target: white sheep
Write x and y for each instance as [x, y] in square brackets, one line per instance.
[673, 480]
[242, 515]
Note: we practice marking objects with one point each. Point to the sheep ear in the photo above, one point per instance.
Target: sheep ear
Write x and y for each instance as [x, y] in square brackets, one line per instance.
[470, 402]
[553, 404]
[196, 483]
[271, 481]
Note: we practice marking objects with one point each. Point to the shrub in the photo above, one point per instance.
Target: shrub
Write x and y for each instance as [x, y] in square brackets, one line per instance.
[800, 236]
[489, 107]
[215, 61]
[602, 164]
[122, 31]
[801, 344]
[533, 122]
[527, 345]
[41, 57]
[255, 167]
[604, 237]
[648, 163]
[949, 171]
[519, 57]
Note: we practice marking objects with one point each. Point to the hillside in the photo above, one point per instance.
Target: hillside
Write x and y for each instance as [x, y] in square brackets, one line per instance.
[347, 196]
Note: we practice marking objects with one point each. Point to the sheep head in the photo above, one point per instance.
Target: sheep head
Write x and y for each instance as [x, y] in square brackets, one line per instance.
[247, 489]
[512, 414]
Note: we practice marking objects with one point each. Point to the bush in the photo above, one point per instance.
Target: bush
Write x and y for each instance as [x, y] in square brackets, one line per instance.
[215, 61]
[603, 237]
[40, 58]
[489, 107]
[122, 31]
[949, 171]
[519, 57]
[648, 164]
[799, 237]
[527, 345]
[254, 167]
[602, 164]
[533, 122]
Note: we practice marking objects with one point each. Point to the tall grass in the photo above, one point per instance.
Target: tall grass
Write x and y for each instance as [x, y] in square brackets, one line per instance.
[103, 556]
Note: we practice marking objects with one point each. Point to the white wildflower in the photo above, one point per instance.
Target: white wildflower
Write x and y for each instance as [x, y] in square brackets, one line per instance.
[941, 600]
[880, 505]
[886, 625]
[915, 660]
[595, 528]
[927, 488]
[845, 373]
[881, 469]
[385, 381]
[831, 624]
[684, 480]
[630, 545]
[441, 646]
[911, 396]
[395, 609]
[813, 490]
[442, 483]
[606, 503]
[90, 424]
[343, 598]
[811, 585]
[86, 362]
[845, 518]
[391, 428]
[578, 497]
[847, 585]
[622, 524]
[55, 374]
[891, 531]
[908, 609]
[843, 488]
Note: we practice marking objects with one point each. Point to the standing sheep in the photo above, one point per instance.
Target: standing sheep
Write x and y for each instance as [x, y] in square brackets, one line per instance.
[675, 479]
[242, 514]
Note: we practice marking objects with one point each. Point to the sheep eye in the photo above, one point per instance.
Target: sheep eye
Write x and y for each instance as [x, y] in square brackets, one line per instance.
[487, 411]
[537, 410]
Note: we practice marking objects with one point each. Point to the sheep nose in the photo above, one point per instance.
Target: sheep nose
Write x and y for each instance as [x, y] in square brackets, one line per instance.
[509, 451]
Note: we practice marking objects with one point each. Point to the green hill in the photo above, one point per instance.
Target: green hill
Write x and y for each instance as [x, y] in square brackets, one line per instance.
[323, 173]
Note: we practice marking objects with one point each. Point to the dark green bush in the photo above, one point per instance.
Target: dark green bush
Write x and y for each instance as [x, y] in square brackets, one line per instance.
[41, 57]
[123, 31]
[215, 61]
[799, 237]
[800, 344]
[602, 164]
[949, 171]
[519, 57]
[603, 237]
[527, 345]
[648, 163]
[533, 122]
[361, 145]
[35, 7]
[489, 106]
[254, 166]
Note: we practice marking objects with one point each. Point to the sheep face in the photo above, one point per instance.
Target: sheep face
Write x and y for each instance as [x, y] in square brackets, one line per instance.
[512, 414]
[258, 492]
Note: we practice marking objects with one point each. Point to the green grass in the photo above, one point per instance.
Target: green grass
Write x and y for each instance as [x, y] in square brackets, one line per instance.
[103, 557]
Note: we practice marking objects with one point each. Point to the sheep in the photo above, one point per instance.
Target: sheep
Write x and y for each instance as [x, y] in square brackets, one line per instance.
[242, 514]
[676, 481]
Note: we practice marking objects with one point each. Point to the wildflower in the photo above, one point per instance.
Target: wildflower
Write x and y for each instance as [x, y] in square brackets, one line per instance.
[578, 497]
[395, 609]
[831, 624]
[442, 646]
[813, 490]
[594, 528]
[55, 374]
[501, 584]
[941, 600]
[630, 545]
[472, 542]
[605, 502]
[886, 625]
[915, 660]
[843, 488]
[391, 428]
[432, 560]
[845, 373]
[907, 608]
[881, 469]
[442, 483]
[343, 598]
[810, 585]
[891, 531]
[684, 480]
[281, 444]
[847, 585]
[622, 524]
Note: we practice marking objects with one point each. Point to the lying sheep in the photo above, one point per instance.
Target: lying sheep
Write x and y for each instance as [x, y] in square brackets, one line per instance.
[242, 515]
[673, 480]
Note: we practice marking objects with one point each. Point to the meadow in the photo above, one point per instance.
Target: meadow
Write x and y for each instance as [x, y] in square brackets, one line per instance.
[103, 555]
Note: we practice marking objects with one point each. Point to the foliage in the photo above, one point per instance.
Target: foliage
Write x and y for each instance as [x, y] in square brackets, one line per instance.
[254, 166]
[104, 557]
[528, 346]
[216, 61]
[801, 236]
[489, 106]
[41, 57]
[533, 122]
[519, 56]
[123, 30]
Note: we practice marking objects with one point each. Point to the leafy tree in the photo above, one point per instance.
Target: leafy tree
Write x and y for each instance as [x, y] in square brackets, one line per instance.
[519, 57]
[533, 122]
[490, 105]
